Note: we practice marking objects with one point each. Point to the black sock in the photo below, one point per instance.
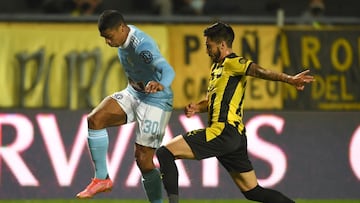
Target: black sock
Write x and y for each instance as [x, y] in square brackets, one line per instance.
[173, 198]
[168, 169]
[265, 195]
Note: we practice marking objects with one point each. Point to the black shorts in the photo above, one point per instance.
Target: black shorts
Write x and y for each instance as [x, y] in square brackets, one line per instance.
[224, 142]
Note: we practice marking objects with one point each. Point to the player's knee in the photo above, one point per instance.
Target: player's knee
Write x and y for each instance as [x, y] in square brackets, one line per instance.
[144, 160]
[91, 119]
[162, 153]
[94, 121]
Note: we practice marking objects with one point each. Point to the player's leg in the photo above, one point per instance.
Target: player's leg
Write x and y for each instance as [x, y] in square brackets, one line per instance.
[177, 148]
[152, 122]
[193, 145]
[151, 179]
[107, 113]
[247, 183]
[241, 170]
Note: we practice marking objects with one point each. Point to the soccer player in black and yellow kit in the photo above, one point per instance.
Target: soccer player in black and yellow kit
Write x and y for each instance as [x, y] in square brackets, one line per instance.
[225, 136]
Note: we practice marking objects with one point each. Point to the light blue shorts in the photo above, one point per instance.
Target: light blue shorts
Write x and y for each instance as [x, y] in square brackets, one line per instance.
[151, 121]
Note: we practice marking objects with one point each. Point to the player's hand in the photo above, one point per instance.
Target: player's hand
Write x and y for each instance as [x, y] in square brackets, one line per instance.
[191, 109]
[153, 86]
[301, 79]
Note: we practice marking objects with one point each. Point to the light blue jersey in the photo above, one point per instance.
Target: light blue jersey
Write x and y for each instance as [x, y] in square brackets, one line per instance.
[142, 62]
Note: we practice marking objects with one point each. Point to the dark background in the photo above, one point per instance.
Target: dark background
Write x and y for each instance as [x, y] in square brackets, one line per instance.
[316, 145]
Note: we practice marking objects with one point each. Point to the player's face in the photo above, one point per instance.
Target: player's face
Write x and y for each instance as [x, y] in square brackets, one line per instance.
[114, 37]
[213, 50]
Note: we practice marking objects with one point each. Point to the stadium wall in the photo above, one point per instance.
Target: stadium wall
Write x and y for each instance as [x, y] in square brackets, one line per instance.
[305, 144]
[68, 65]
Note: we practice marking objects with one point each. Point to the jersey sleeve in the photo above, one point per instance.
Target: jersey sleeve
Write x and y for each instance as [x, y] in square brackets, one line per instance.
[150, 54]
[239, 65]
[168, 73]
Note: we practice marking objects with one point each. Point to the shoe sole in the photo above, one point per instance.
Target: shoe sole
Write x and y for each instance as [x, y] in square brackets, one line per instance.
[89, 197]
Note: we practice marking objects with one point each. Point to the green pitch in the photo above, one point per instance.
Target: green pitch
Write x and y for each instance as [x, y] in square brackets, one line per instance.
[182, 201]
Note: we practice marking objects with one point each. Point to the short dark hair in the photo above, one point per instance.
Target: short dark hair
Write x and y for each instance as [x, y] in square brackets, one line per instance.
[220, 32]
[110, 19]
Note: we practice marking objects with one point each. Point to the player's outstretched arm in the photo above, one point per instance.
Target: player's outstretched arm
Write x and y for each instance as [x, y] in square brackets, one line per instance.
[298, 81]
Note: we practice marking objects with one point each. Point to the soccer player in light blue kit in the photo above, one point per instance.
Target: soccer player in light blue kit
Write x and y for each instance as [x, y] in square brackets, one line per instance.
[147, 100]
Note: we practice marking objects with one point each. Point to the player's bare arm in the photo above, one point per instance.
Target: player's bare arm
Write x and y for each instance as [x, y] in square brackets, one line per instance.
[298, 81]
[153, 86]
[192, 108]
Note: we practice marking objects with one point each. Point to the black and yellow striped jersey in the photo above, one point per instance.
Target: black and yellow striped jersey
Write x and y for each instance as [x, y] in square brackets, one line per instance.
[226, 91]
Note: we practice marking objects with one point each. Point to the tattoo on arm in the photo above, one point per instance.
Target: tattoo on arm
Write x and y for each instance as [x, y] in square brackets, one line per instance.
[259, 72]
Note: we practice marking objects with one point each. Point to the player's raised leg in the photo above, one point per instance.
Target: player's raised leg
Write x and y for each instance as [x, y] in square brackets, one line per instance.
[98, 143]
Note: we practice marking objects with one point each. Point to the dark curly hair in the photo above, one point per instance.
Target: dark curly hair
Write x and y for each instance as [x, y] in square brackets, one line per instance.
[220, 32]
